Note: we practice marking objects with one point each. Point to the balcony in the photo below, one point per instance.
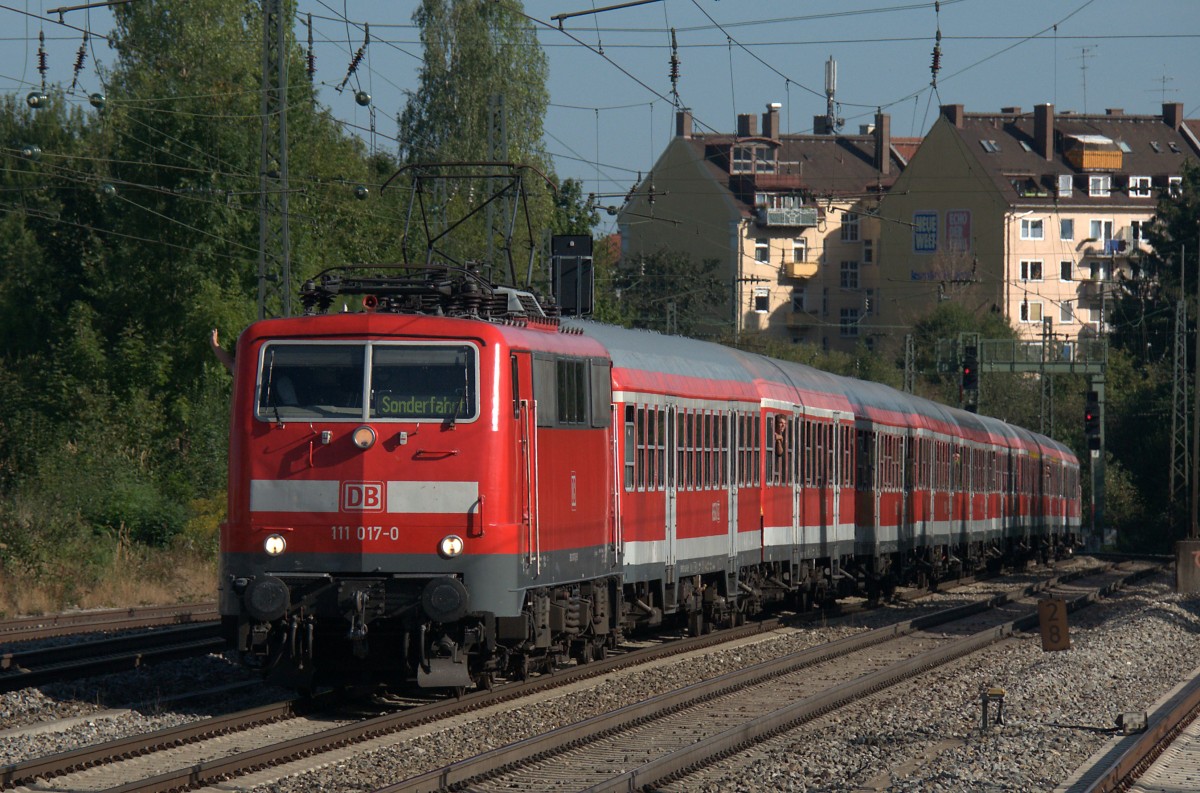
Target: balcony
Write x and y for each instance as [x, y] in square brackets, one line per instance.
[793, 217]
[1113, 248]
[801, 320]
[799, 269]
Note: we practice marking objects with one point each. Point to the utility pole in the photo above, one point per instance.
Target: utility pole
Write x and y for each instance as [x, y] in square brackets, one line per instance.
[1194, 531]
[1179, 402]
[274, 249]
[910, 375]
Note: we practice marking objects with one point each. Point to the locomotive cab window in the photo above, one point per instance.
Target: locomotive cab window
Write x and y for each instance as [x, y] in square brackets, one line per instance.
[417, 381]
[404, 382]
[309, 381]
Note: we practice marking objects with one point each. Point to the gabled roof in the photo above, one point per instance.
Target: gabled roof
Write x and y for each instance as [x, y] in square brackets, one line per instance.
[837, 167]
[1010, 146]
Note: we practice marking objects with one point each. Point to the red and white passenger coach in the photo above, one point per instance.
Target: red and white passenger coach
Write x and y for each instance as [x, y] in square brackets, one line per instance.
[450, 484]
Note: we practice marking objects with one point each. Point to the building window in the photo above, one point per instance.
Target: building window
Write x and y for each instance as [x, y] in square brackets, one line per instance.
[799, 299]
[1031, 271]
[1139, 187]
[1101, 230]
[1066, 229]
[868, 251]
[1066, 271]
[1175, 185]
[849, 275]
[762, 250]
[848, 327]
[1100, 270]
[1065, 185]
[1138, 229]
[762, 300]
[869, 303]
[849, 227]
[1065, 313]
[752, 159]
[743, 159]
[1032, 229]
[1099, 186]
[1031, 312]
[799, 250]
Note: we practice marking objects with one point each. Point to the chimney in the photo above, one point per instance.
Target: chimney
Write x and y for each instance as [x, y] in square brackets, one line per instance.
[821, 126]
[1043, 130]
[747, 125]
[771, 121]
[1173, 115]
[953, 114]
[883, 143]
[683, 123]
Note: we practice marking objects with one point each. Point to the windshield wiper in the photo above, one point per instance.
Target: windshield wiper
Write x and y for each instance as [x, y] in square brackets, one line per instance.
[268, 396]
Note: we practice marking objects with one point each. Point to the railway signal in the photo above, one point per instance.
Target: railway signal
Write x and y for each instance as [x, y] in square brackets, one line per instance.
[1091, 420]
[970, 369]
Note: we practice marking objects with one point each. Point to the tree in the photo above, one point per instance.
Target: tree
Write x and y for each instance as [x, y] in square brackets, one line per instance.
[481, 57]
[1144, 304]
[473, 52]
[666, 292]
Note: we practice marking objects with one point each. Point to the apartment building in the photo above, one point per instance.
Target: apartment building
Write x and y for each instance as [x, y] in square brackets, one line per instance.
[789, 218]
[1031, 215]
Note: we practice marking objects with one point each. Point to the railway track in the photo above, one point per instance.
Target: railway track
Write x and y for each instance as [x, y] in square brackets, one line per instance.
[36, 666]
[206, 762]
[1163, 756]
[24, 629]
[665, 738]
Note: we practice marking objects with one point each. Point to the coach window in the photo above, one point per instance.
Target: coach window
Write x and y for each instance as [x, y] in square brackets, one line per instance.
[630, 447]
[660, 447]
[685, 456]
[641, 448]
[847, 456]
[724, 450]
[743, 432]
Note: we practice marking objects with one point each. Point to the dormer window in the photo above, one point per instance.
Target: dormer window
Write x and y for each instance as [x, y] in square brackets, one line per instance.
[1065, 184]
[1099, 186]
[752, 158]
[1139, 187]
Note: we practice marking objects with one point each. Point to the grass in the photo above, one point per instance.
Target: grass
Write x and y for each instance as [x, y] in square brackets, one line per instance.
[131, 576]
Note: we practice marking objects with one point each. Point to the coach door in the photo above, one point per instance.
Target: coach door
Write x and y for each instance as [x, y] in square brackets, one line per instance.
[730, 436]
[834, 451]
[670, 522]
[526, 474]
[796, 477]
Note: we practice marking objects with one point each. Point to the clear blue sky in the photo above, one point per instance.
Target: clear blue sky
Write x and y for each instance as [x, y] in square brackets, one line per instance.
[611, 112]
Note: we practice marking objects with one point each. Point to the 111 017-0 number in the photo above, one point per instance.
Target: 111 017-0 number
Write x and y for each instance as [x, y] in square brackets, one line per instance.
[365, 533]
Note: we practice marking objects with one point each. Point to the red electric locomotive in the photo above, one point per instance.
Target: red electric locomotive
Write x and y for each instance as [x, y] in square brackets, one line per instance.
[452, 484]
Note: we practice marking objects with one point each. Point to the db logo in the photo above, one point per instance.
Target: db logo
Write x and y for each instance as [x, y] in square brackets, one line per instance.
[362, 496]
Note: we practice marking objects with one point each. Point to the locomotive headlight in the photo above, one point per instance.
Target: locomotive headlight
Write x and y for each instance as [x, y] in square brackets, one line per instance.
[274, 544]
[450, 546]
[364, 437]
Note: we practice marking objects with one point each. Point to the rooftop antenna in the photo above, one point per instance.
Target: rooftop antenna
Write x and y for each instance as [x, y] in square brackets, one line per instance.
[832, 122]
[674, 72]
[1085, 53]
[1162, 81]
